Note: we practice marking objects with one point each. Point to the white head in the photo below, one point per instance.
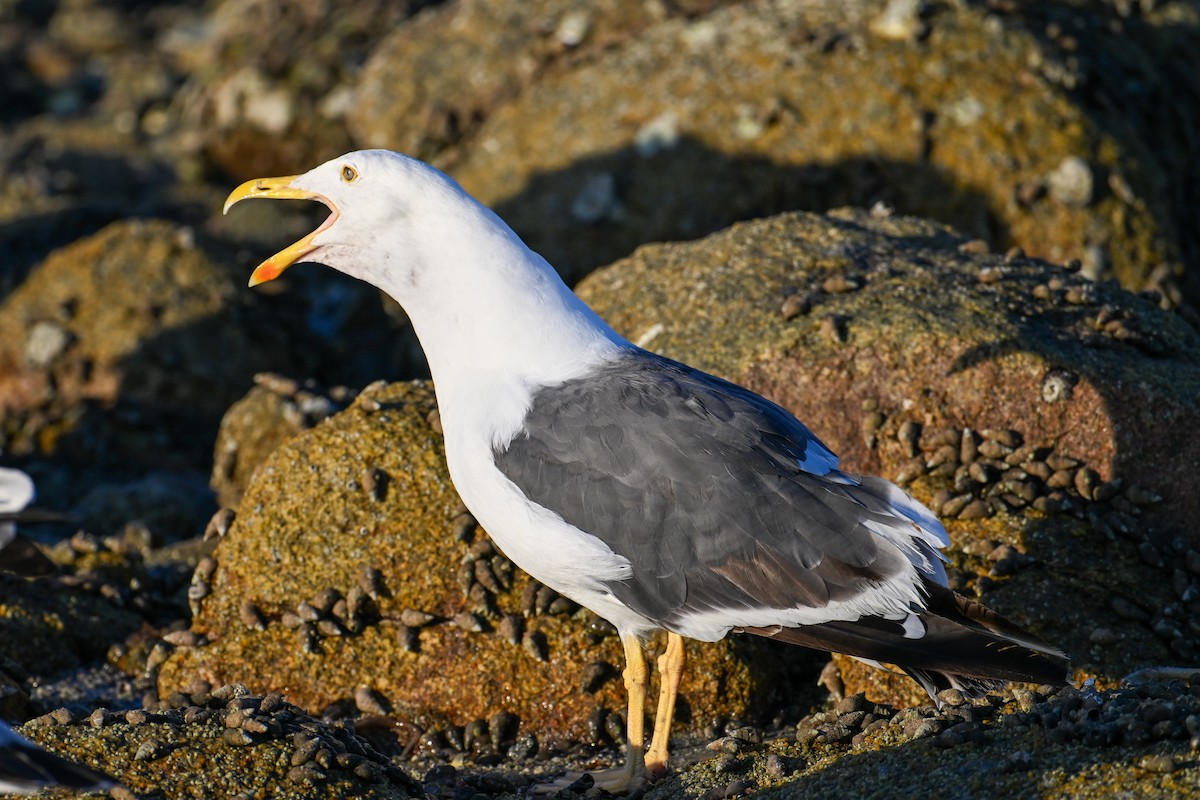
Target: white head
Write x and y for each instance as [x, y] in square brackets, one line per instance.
[16, 490]
[382, 204]
[475, 293]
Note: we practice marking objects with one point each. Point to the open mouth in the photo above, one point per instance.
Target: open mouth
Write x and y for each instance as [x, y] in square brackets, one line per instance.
[281, 189]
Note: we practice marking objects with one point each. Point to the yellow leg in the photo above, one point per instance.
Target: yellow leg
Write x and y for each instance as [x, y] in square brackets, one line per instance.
[632, 773]
[636, 675]
[670, 672]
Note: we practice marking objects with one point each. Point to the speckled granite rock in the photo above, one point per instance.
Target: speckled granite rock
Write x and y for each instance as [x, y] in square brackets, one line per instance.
[888, 337]
[350, 566]
[978, 119]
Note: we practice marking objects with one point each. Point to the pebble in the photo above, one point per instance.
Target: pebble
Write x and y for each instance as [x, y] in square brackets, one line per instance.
[45, 342]
[1071, 182]
[1158, 763]
[795, 305]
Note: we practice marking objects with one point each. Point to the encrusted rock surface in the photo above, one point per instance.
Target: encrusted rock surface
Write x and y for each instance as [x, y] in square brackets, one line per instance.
[982, 121]
[225, 742]
[351, 563]
[1050, 419]
[138, 318]
[890, 338]
[1137, 741]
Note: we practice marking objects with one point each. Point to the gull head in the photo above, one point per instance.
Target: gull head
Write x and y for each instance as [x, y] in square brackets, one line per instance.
[383, 206]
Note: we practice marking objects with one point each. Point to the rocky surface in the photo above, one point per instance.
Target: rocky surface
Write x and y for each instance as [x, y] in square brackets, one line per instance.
[1137, 741]
[249, 746]
[475, 56]
[977, 118]
[270, 83]
[988, 385]
[351, 568]
[1043, 412]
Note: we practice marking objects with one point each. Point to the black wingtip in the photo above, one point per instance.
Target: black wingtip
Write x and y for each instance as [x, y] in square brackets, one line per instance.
[966, 646]
[25, 767]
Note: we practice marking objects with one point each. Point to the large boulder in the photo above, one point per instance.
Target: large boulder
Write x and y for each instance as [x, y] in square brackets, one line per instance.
[1038, 412]
[351, 567]
[430, 83]
[968, 115]
[140, 318]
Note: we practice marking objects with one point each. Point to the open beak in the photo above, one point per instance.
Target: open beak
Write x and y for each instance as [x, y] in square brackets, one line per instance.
[281, 189]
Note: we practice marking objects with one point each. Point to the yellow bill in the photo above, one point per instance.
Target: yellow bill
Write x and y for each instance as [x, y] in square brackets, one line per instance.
[280, 189]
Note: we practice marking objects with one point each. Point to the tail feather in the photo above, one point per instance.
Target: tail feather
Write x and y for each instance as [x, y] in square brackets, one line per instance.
[965, 645]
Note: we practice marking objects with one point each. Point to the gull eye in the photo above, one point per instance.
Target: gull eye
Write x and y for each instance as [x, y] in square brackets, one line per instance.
[349, 174]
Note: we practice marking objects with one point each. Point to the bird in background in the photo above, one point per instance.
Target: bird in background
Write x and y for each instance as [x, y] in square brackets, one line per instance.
[654, 494]
[18, 554]
[26, 768]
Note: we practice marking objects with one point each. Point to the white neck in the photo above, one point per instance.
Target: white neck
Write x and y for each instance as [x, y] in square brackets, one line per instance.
[496, 323]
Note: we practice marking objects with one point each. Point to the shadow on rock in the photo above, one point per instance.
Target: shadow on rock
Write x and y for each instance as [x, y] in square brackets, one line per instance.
[601, 208]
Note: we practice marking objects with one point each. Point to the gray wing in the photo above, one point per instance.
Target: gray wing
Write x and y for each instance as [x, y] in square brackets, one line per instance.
[719, 498]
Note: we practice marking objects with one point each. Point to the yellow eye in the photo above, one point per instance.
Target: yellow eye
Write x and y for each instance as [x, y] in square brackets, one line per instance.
[349, 174]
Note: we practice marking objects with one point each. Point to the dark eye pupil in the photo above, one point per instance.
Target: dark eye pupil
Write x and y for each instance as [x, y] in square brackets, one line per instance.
[349, 174]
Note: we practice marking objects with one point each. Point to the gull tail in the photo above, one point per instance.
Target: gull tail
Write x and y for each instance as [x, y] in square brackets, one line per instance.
[25, 767]
[954, 642]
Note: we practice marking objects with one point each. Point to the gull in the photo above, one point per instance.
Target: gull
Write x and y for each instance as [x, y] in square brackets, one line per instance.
[17, 553]
[26, 768]
[654, 494]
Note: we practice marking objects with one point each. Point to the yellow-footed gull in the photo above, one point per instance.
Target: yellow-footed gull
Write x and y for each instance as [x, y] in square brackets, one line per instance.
[654, 494]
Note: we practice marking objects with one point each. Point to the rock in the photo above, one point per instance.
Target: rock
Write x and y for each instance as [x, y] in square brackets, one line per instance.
[955, 354]
[48, 627]
[432, 81]
[273, 80]
[1071, 182]
[801, 118]
[192, 748]
[250, 430]
[145, 323]
[170, 507]
[306, 524]
[1073, 748]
